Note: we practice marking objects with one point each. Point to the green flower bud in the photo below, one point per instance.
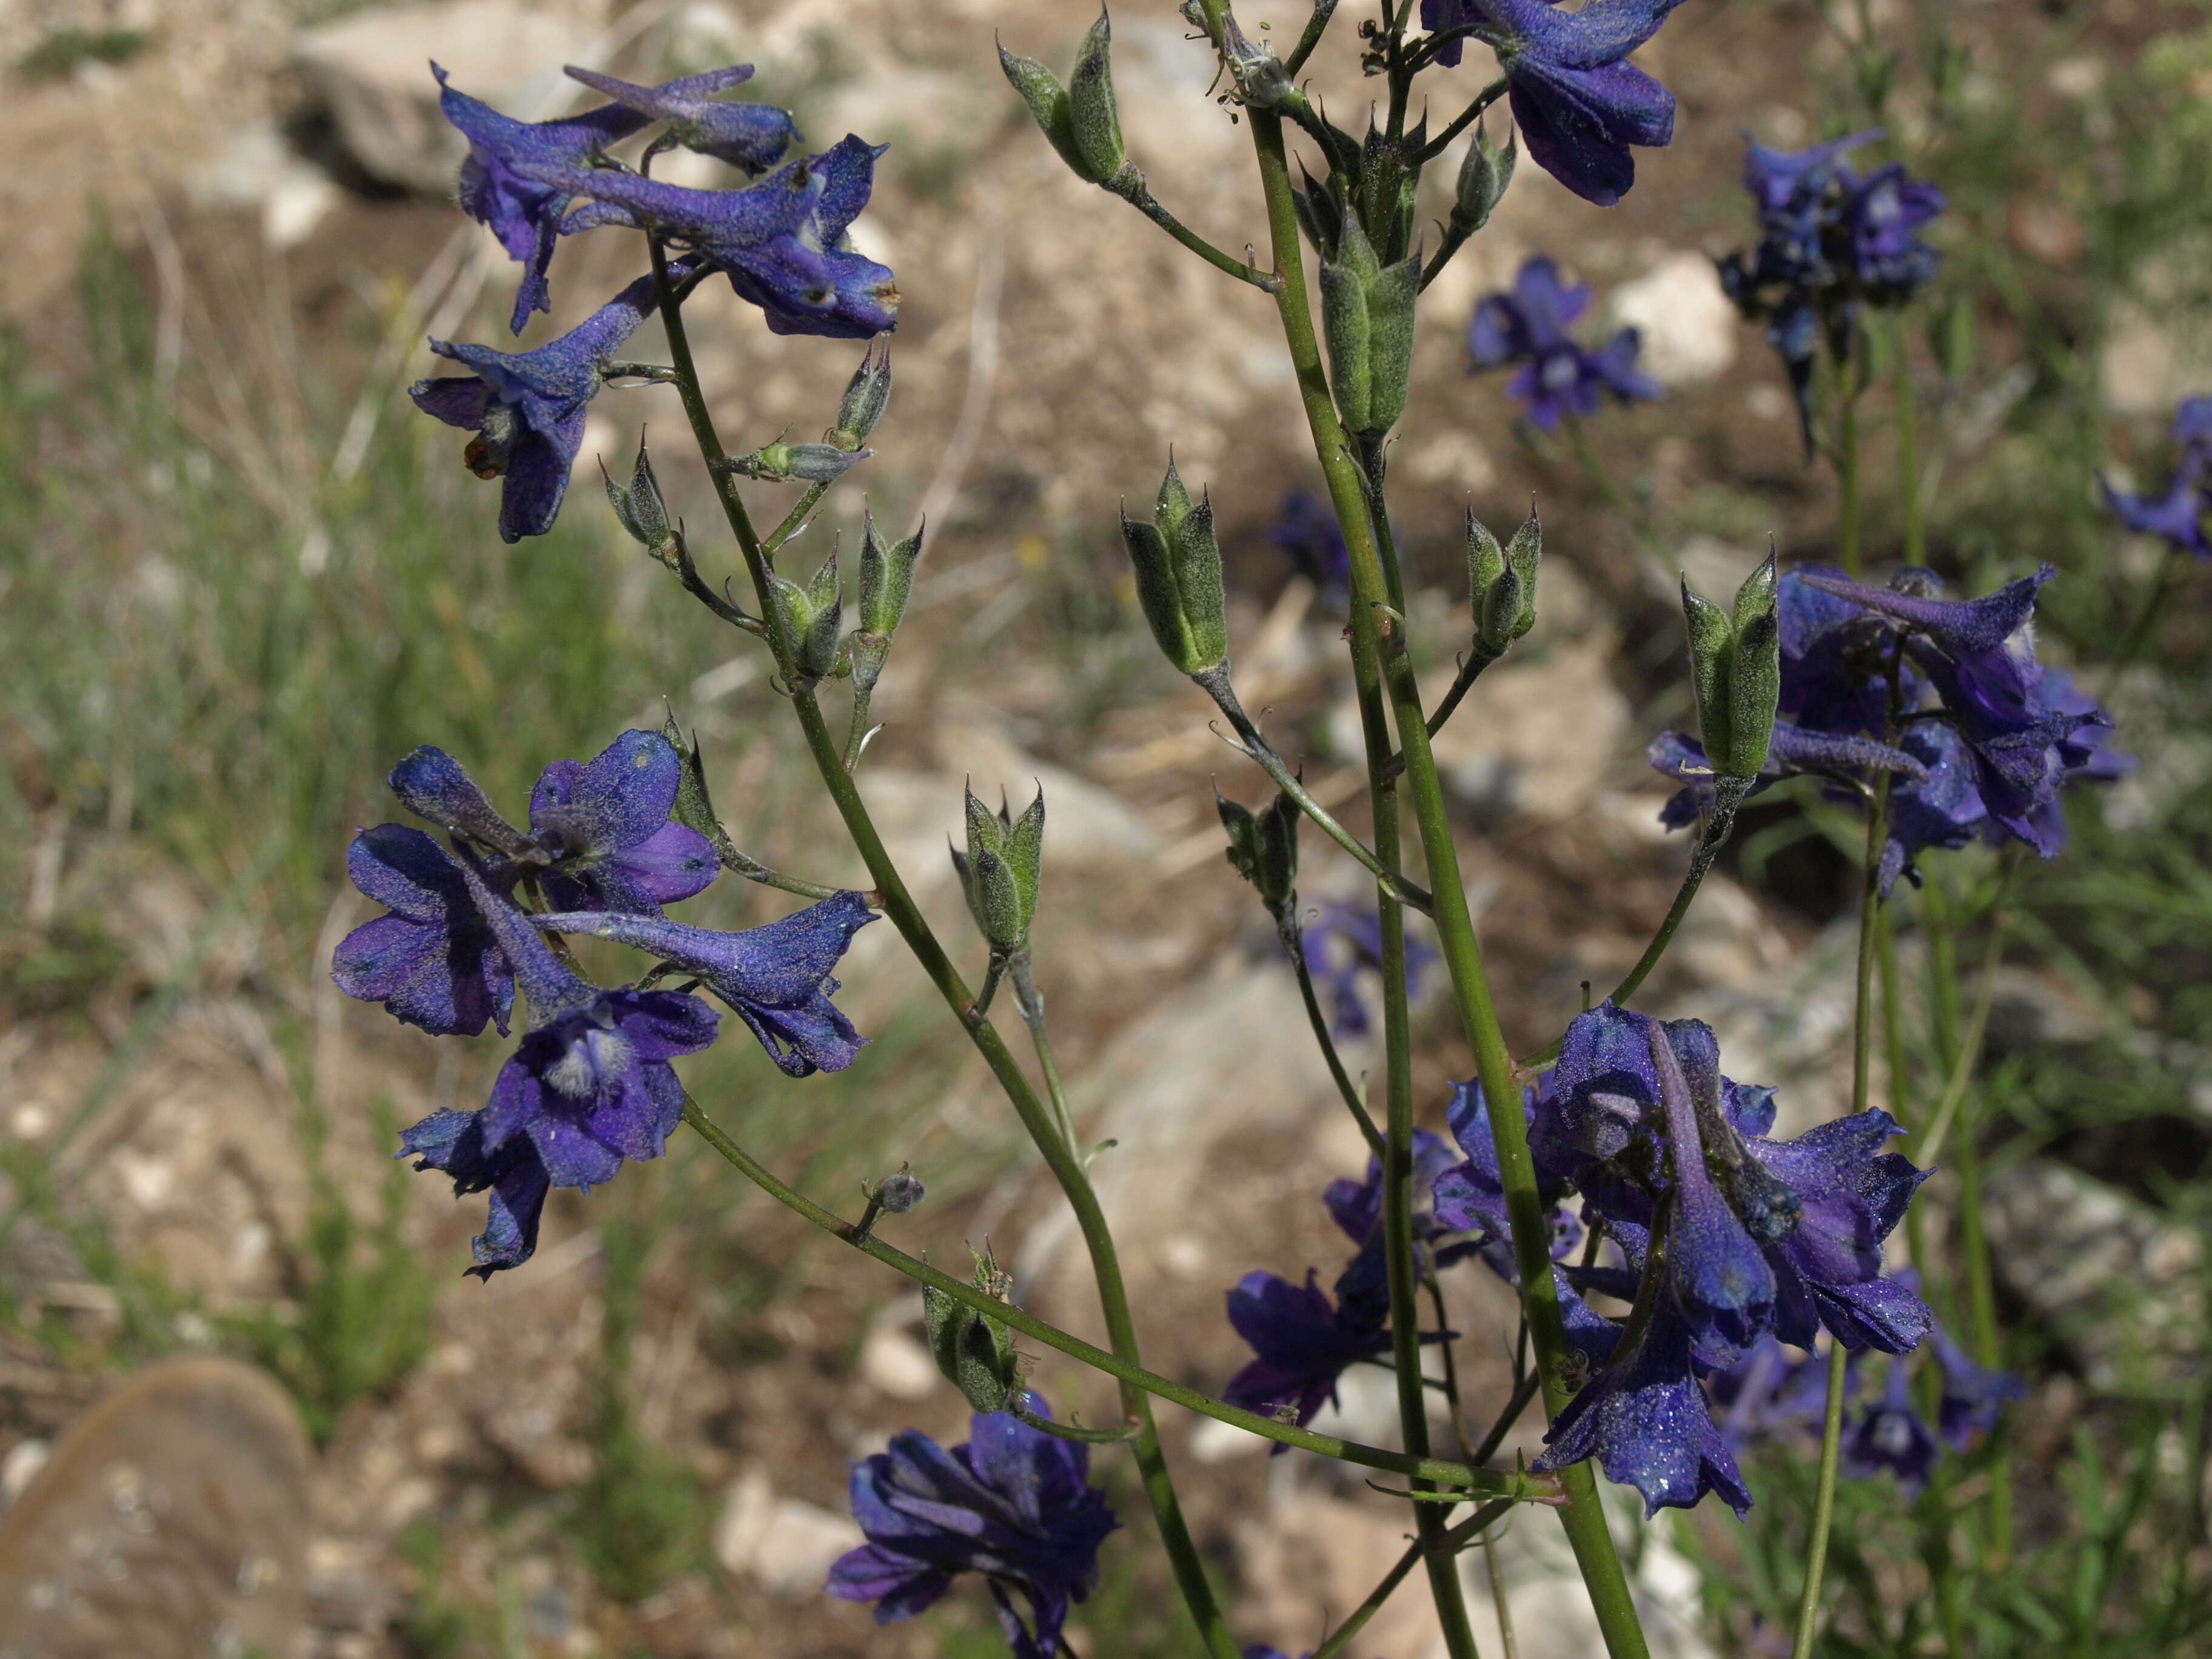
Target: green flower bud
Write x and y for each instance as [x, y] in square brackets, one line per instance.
[1503, 581]
[639, 506]
[694, 809]
[1483, 178]
[1367, 319]
[1047, 101]
[1093, 116]
[866, 395]
[1735, 668]
[973, 1351]
[886, 577]
[1002, 869]
[1755, 674]
[1177, 561]
[1263, 849]
[811, 617]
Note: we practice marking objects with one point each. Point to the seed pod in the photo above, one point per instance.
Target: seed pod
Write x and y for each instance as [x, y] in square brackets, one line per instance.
[1755, 674]
[866, 396]
[1093, 117]
[1177, 561]
[1483, 178]
[973, 1351]
[639, 506]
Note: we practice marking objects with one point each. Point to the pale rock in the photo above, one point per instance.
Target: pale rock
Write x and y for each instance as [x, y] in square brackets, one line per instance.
[1689, 326]
[1212, 1440]
[1715, 568]
[927, 115]
[370, 67]
[1537, 737]
[784, 1544]
[893, 1363]
[1452, 456]
[21, 1467]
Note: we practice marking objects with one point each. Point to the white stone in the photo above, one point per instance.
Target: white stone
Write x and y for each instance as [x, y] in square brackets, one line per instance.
[893, 1363]
[1688, 324]
[372, 67]
[19, 1468]
[785, 1544]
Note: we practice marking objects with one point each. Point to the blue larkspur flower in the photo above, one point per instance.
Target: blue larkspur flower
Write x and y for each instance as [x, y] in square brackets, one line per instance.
[1890, 1435]
[1558, 378]
[784, 243]
[1012, 1504]
[601, 836]
[2176, 517]
[750, 136]
[1307, 534]
[1302, 1341]
[1831, 240]
[1818, 1208]
[1579, 102]
[527, 408]
[1646, 1421]
[522, 211]
[1345, 941]
[777, 978]
[431, 961]
[588, 1086]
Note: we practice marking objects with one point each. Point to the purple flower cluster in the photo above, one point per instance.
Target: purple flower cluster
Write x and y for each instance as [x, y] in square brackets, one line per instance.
[2177, 516]
[1557, 378]
[589, 1084]
[1832, 240]
[1012, 1504]
[1722, 1242]
[1945, 696]
[783, 240]
[1342, 944]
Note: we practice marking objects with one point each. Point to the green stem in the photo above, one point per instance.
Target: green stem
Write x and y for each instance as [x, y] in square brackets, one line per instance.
[1444, 1473]
[1583, 1518]
[1505, 1637]
[1523, 1393]
[1619, 499]
[1824, 1505]
[1344, 1086]
[1728, 795]
[1478, 657]
[808, 500]
[1129, 185]
[906, 916]
[1458, 1539]
[1460, 123]
[1908, 450]
[1847, 468]
[1215, 682]
[1032, 1008]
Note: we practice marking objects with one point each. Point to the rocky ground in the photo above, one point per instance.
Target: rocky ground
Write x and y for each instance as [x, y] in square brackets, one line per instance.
[1051, 348]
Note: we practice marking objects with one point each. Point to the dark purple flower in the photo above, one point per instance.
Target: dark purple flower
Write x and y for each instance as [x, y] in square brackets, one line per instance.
[432, 962]
[1579, 102]
[2176, 517]
[605, 827]
[514, 1175]
[1973, 1396]
[1303, 1342]
[1883, 214]
[2025, 729]
[1828, 1269]
[2192, 429]
[1890, 1435]
[783, 242]
[1558, 378]
[1342, 943]
[1644, 1418]
[527, 408]
[521, 209]
[1012, 1504]
[1720, 1281]
[588, 1086]
[1357, 1205]
[1611, 1118]
[1943, 809]
[1830, 241]
[1770, 1395]
[750, 137]
[776, 978]
[600, 836]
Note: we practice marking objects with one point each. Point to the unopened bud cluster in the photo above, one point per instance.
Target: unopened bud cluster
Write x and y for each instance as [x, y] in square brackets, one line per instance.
[1178, 570]
[1503, 582]
[1081, 120]
[1001, 870]
[973, 1351]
